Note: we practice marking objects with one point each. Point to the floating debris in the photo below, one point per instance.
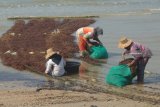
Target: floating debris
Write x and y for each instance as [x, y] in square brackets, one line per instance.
[31, 53]
[56, 31]
[93, 80]
[42, 52]
[45, 33]
[7, 52]
[19, 34]
[14, 53]
[147, 72]
[12, 34]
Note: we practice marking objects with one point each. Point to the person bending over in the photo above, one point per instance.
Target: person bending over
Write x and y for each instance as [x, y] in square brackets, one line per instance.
[85, 35]
[140, 53]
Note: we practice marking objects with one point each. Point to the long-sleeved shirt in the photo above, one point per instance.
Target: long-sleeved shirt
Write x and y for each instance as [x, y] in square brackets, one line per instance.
[138, 50]
[55, 69]
[86, 32]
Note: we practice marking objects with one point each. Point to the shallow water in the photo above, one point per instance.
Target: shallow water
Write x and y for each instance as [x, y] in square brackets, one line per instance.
[138, 19]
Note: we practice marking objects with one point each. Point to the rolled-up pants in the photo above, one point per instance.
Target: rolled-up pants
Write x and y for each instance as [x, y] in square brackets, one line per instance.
[82, 44]
[141, 64]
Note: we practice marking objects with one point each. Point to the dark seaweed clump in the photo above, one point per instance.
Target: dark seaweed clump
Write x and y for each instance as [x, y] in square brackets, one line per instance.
[24, 45]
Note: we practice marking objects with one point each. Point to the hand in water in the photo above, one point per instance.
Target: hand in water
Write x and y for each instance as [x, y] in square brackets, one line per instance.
[83, 53]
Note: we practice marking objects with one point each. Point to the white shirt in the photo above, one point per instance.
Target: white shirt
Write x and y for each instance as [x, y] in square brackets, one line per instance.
[80, 32]
[54, 69]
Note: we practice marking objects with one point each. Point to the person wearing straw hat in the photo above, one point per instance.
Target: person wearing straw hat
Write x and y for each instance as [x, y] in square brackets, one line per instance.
[55, 63]
[84, 35]
[140, 53]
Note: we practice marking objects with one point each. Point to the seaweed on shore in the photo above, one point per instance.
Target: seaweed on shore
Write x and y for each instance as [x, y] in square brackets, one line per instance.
[25, 43]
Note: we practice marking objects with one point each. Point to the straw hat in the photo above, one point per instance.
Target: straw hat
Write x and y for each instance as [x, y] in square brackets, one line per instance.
[124, 42]
[99, 31]
[50, 52]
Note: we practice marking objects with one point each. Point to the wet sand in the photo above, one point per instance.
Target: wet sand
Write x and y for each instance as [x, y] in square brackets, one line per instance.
[142, 27]
[61, 98]
[83, 85]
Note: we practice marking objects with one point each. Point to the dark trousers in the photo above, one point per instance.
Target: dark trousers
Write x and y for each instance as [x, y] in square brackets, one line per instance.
[141, 64]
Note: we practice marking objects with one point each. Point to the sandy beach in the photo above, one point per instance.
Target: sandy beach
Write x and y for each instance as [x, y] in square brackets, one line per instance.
[67, 91]
[61, 98]
[137, 19]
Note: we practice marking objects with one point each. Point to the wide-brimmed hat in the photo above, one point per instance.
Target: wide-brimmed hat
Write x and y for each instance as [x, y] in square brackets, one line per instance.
[50, 52]
[99, 31]
[124, 42]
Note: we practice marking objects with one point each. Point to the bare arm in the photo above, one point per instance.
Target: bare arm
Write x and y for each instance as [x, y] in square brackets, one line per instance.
[89, 42]
[134, 61]
[48, 67]
[97, 39]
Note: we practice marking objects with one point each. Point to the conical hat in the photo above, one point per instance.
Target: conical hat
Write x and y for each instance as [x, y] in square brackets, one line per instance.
[124, 42]
[50, 52]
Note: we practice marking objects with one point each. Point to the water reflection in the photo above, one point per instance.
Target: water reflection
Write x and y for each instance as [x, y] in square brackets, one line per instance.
[113, 54]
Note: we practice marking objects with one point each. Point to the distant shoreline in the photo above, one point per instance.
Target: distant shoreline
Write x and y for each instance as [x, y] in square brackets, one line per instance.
[49, 17]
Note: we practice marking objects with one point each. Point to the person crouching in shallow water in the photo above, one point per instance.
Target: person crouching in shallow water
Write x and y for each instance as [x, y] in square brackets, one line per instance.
[84, 35]
[140, 53]
[55, 63]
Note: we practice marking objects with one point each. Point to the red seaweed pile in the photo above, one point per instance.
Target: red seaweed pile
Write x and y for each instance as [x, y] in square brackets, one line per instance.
[24, 45]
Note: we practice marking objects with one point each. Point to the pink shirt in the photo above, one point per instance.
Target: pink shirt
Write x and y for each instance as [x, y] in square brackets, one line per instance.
[138, 50]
